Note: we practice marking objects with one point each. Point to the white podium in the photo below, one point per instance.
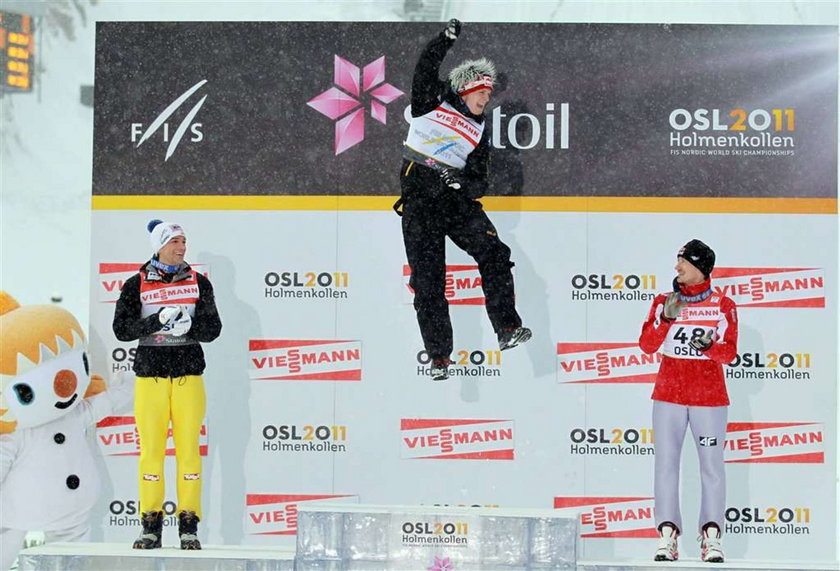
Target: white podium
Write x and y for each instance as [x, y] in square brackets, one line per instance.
[407, 538]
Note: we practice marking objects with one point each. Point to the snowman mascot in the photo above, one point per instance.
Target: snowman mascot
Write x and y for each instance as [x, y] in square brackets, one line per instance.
[48, 476]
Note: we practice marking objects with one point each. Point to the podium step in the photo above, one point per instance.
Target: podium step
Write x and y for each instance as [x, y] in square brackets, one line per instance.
[111, 556]
[697, 565]
[406, 538]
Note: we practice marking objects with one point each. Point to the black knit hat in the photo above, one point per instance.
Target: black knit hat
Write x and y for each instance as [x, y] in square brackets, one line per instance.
[698, 255]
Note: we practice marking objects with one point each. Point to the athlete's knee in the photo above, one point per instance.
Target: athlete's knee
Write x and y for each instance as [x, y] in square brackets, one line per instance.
[495, 258]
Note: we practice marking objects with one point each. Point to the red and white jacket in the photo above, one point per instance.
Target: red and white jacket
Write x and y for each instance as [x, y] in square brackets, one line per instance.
[687, 376]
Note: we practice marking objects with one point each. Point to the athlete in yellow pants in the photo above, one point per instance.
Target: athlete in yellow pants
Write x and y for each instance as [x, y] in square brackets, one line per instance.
[170, 309]
[182, 400]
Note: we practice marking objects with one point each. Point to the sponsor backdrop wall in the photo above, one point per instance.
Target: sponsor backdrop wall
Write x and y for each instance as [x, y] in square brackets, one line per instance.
[277, 147]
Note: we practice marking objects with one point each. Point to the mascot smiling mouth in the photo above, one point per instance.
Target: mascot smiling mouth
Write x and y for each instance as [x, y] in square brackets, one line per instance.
[65, 404]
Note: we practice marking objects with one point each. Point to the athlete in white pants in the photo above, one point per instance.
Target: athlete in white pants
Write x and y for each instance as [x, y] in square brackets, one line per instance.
[697, 330]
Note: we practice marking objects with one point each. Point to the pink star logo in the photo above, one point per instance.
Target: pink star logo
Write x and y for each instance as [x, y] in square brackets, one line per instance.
[441, 564]
[335, 103]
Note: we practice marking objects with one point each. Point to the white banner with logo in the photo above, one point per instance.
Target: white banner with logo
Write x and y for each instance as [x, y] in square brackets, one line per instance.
[320, 397]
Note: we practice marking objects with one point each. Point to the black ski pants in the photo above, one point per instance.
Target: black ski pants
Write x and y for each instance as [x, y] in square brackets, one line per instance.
[431, 212]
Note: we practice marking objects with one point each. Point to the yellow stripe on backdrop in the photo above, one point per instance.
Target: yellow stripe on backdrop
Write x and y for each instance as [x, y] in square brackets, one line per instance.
[492, 203]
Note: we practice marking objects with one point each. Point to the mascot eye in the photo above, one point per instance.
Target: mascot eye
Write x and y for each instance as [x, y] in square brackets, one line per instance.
[24, 393]
[85, 361]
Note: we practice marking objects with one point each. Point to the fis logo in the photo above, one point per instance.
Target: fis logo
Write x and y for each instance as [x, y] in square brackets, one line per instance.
[774, 442]
[457, 439]
[306, 285]
[605, 363]
[462, 286]
[771, 287]
[277, 514]
[611, 516]
[304, 360]
[117, 436]
[616, 287]
[196, 135]
[112, 277]
[786, 520]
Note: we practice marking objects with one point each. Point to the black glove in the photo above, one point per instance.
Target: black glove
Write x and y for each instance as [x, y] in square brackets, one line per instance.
[453, 29]
[703, 342]
[451, 178]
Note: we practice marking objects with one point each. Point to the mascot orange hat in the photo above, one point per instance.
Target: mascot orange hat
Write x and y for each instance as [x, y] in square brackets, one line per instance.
[43, 366]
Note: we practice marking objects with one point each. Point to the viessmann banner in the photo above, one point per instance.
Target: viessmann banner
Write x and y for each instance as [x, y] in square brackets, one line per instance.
[580, 109]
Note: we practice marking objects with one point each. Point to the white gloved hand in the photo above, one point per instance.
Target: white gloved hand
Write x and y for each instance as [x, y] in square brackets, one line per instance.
[168, 313]
[182, 324]
[674, 305]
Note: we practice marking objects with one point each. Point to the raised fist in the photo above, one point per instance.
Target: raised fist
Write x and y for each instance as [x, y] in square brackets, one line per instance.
[453, 29]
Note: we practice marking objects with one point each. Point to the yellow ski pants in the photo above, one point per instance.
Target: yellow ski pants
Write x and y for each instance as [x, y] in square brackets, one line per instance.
[157, 400]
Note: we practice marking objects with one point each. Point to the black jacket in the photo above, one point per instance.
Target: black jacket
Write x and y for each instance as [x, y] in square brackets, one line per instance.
[166, 361]
[428, 91]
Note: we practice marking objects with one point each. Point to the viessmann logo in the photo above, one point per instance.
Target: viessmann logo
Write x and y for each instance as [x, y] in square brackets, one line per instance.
[277, 514]
[117, 436]
[611, 516]
[774, 442]
[605, 363]
[771, 287]
[462, 285]
[304, 360]
[348, 103]
[174, 139]
[432, 438]
[112, 278]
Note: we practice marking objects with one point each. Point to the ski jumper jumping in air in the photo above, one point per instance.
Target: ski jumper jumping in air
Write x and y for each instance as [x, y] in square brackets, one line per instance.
[444, 171]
